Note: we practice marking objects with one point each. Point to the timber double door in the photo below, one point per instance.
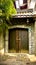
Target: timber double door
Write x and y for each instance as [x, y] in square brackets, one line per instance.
[18, 40]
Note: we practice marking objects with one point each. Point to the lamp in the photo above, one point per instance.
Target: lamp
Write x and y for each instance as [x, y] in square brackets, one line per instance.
[27, 20]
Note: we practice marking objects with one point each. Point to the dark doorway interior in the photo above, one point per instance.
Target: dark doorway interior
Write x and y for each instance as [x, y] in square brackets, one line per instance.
[18, 40]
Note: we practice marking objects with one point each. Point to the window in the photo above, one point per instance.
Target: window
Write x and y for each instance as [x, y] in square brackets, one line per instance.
[21, 4]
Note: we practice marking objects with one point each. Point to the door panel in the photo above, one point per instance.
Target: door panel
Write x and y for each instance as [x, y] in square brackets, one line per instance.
[23, 35]
[17, 40]
[24, 39]
[12, 39]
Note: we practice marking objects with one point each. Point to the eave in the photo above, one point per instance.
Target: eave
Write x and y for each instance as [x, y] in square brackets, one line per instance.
[18, 18]
[25, 15]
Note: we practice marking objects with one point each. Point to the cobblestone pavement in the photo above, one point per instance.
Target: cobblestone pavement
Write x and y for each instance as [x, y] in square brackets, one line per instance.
[20, 59]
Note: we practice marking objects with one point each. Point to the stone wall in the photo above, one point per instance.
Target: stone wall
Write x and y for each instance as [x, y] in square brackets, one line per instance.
[1, 41]
[31, 41]
[6, 42]
[35, 35]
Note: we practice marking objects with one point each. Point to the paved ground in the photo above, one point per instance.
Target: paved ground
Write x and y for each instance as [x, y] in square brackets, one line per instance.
[20, 59]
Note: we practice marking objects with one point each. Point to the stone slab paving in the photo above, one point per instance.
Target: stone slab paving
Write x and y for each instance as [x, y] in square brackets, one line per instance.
[20, 59]
[18, 63]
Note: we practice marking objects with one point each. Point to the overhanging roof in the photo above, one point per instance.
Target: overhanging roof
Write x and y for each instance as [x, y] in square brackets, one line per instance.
[27, 15]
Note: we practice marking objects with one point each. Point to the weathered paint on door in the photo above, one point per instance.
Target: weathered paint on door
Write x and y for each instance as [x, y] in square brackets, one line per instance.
[18, 39]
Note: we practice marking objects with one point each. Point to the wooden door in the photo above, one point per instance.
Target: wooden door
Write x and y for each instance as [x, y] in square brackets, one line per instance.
[18, 40]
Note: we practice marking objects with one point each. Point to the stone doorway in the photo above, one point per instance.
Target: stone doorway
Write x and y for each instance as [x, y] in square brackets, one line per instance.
[18, 40]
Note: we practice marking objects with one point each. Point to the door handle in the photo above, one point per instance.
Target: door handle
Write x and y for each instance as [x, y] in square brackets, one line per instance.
[18, 39]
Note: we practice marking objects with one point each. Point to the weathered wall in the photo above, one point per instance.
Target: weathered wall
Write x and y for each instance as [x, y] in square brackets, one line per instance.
[35, 35]
[6, 42]
[32, 44]
[1, 41]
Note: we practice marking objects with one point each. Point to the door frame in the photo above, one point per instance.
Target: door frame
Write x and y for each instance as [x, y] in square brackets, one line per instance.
[29, 32]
